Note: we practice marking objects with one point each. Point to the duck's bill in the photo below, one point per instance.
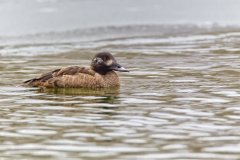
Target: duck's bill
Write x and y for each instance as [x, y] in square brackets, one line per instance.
[119, 68]
[122, 69]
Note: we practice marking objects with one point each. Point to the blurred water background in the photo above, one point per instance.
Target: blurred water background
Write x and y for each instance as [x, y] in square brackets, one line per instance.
[180, 100]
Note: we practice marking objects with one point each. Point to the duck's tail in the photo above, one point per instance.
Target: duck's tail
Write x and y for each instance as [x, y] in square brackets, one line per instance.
[31, 82]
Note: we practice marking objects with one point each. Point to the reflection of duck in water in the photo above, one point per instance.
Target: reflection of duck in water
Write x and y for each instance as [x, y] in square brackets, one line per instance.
[99, 75]
[102, 93]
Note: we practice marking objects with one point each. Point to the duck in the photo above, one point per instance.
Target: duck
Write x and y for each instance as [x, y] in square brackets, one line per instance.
[100, 74]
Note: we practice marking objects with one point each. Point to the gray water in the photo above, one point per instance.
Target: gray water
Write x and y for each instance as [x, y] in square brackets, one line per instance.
[180, 100]
[34, 16]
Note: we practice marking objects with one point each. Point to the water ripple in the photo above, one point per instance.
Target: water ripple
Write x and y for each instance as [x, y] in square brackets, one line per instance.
[180, 100]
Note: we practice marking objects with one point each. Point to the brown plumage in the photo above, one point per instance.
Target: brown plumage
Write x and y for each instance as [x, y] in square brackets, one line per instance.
[99, 75]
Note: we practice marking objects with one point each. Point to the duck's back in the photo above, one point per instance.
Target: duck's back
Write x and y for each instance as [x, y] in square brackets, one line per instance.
[75, 77]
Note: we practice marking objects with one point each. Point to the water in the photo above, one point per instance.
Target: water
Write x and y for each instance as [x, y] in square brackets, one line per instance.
[34, 16]
[180, 100]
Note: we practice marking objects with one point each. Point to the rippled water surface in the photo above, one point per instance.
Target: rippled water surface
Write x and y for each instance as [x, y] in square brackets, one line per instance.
[180, 100]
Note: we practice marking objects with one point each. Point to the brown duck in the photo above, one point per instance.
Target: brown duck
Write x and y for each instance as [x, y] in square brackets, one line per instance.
[100, 74]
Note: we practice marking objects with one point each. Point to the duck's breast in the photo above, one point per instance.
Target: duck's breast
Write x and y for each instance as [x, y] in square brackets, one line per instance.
[111, 79]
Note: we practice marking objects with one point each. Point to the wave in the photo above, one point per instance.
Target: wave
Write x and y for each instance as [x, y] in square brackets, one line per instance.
[145, 39]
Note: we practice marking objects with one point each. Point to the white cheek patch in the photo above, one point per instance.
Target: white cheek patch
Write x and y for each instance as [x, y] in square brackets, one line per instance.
[109, 62]
[98, 60]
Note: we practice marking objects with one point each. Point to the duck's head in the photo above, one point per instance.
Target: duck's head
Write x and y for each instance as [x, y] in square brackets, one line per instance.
[104, 62]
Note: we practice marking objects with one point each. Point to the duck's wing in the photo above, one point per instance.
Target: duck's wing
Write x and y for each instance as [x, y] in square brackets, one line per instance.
[48, 79]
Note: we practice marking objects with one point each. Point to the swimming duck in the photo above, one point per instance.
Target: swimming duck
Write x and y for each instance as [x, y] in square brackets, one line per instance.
[100, 74]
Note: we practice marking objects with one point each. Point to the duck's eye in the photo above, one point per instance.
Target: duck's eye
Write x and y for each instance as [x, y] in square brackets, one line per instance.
[98, 60]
